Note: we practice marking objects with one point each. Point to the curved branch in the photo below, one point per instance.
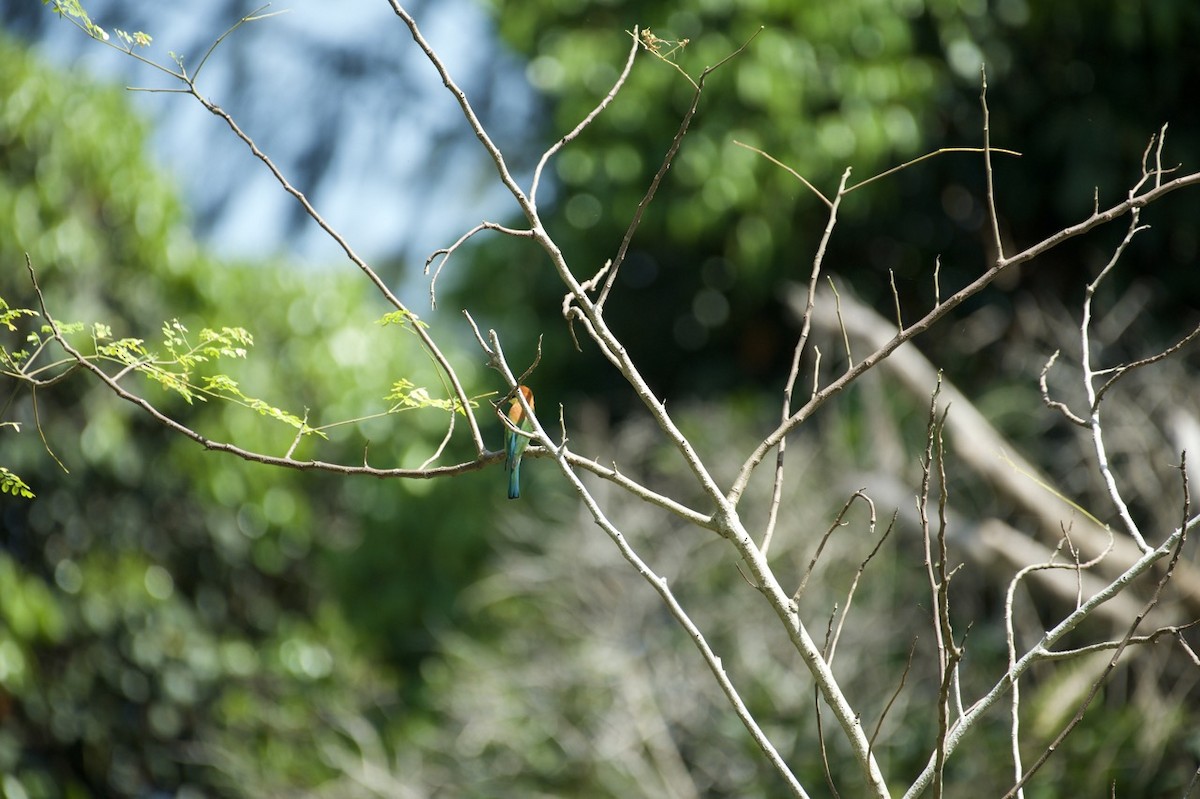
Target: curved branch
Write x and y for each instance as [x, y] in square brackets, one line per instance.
[587, 120]
[485, 457]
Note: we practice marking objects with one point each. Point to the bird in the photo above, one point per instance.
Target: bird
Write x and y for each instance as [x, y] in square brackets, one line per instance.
[514, 445]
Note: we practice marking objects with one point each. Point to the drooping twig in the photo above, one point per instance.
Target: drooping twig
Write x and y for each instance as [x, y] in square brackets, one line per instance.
[220, 446]
[444, 253]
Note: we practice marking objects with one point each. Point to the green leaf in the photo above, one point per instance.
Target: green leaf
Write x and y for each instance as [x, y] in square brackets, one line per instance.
[404, 318]
[409, 396]
[9, 314]
[12, 484]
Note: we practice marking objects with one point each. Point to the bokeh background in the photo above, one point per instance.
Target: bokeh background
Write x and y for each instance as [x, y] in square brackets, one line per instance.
[175, 622]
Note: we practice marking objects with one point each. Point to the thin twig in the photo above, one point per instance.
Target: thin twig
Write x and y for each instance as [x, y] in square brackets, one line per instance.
[1175, 630]
[793, 172]
[895, 694]
[797, 354]
[937, 283]
[896, 300]
[837, 306]
[444, 253]
[1125, 369]
[668, 159]
[862, 568]
[839, 521]
[37, 423]
[993, 216]
[585, 122]
[941, 151]
[833, 791]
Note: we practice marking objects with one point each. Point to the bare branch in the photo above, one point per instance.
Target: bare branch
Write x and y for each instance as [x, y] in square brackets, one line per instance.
[862, 568]
[493, 151]
[993, 217]
[1112, 663]
[839, 521]
[949, 653]
[583, 124]
[1085, 360]
[1050, 242]
[668, 159]
[797, 354]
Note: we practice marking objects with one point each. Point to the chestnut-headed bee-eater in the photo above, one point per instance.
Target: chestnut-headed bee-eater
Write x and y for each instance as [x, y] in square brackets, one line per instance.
[514, 445]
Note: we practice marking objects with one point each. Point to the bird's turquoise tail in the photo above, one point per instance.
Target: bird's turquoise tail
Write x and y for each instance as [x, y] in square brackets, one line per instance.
[514, 481]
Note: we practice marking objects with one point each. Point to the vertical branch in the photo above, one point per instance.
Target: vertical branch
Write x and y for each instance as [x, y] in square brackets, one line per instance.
[1011, 639]
[949, 654]
[993, 217]
[797, 354]
[1090, 376]
[931, 564]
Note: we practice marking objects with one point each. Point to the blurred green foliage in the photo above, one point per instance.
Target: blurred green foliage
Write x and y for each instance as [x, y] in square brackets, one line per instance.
[168, 619]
